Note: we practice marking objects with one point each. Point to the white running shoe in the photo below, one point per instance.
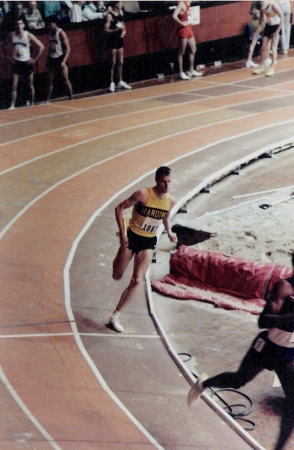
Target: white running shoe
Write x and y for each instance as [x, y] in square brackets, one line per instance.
[183, 76]
[194, 73]
[196, 390]
[250, 63]
[258, 70]
[113, 321]
[124, 85]
[270, 72]
[112, 87]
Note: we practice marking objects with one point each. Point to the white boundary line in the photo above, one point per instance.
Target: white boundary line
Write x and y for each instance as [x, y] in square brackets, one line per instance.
[106, 335]
[109, 105]
[27, 412]
[220, 412]
[98, 138]
[74, 125]
[264, 192]
[233, 424]
[67, 284]
[206, 79]
[86, 355]
[51, 188]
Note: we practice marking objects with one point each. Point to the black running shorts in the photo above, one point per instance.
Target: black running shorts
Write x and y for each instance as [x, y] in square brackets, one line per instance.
[138, 243]
[22, 68]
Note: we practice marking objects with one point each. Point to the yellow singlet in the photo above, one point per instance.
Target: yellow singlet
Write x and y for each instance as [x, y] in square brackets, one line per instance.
[147, 218]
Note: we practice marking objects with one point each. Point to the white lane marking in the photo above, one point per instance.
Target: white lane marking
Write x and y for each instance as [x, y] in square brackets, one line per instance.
[64, 180]
[170, 106]
[114, 334]
[263, 192]
[98, 138]
[207, 80]
[77, 335]
[27, 412]
[109, 105]
[66, 272]
[86, 355]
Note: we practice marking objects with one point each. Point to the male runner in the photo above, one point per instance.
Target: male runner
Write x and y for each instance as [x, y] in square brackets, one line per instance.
[272, 349]
[151, 207]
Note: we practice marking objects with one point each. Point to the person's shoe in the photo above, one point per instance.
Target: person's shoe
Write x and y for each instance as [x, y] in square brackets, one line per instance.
[196, 390]
[124, 85]
[258, 71]
[183, 76]
[270, 72]
[250, 63]
[194, 73]
[268, 61]
[114, 323]
[112, 87]
[12, 107]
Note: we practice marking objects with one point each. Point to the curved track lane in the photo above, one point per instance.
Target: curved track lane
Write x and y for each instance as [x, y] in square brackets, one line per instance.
[62, 171]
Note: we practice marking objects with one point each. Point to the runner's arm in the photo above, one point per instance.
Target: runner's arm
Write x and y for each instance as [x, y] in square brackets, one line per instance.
[167, 224]
[66, 44]
[136, 197]
[40, 46]
[271, 316]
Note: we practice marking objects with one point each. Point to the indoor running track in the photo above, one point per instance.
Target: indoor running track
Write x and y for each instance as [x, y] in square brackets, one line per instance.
[69, 382]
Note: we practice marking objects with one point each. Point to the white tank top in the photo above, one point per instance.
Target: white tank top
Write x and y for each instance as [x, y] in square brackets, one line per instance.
[55, 47]
[272, 17]
[21, 47]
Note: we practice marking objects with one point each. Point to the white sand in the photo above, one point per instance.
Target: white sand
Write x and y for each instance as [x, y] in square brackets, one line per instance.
[250, 232]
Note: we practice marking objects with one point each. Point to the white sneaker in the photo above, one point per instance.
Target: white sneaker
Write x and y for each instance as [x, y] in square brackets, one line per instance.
[183, 76]
[250, 63]
[113, 321]
[194, 73]
[112, 87]
[258, 70]
[124, 85]
[12, 107]
[196, 390]
[270, 72]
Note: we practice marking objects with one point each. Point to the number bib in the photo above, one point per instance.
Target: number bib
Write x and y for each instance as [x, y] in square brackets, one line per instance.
[150, 224]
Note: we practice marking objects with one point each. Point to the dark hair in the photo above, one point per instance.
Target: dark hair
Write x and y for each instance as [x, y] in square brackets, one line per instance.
[258, 5]
[52, 19]
[162, 171]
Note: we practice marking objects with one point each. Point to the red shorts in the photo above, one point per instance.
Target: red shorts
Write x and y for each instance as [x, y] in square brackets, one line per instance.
[185, 32]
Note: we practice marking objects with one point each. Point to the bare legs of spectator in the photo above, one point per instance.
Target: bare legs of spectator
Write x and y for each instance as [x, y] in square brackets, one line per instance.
[117, 59]
[15, 80]
[182, 48]
[32, 89]
[268, 43]
[113, 62]
[51, 76]
[67, 82]
[249, 62]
